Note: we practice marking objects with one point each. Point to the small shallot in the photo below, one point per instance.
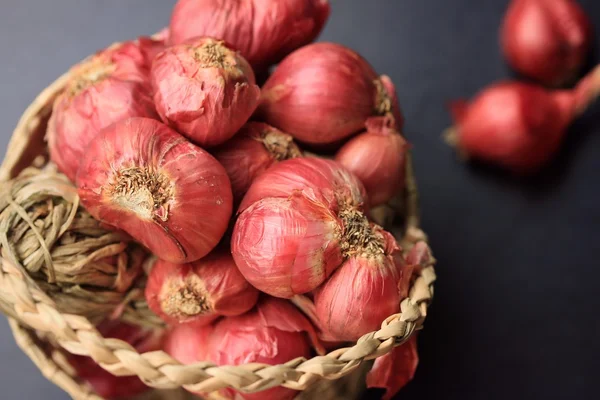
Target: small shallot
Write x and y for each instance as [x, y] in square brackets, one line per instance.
[110, 86]
[264, 31]
[325, 92]
[251, 152]
[146, 179]
[518, 126]
[204, 89]
[274, 332]
[547, 40]
[378, 158]
[199, 292]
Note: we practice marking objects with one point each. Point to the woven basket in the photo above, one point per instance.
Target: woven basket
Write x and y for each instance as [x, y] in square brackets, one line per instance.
[47, 335]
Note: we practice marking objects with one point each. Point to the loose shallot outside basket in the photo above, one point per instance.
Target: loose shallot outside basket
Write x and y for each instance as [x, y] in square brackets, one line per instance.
[46, 335]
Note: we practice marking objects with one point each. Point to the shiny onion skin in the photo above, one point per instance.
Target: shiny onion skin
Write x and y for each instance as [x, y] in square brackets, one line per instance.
[518, 126]
[274, 332]
[394, 370]
[144, 178]
[255, 148]
[547, 40]
[108, 87]
[294, 224]
[264, 31]
[378, 158]
[103, 382]
[363, 292]
[324, 92]
[199, 292]
[204, 90]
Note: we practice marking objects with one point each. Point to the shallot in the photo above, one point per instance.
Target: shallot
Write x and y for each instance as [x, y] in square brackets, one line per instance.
[264, 31]
[547, 40]
[110, 86]
[199, 292]
[146, 179]
[378, 158]
[365, 290]
[204, 89]
[516, 125]
[325, 92]
[274, 332]
[251, 152]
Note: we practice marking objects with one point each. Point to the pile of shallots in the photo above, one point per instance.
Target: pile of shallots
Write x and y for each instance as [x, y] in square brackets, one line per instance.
[517, 125]
[171, 140]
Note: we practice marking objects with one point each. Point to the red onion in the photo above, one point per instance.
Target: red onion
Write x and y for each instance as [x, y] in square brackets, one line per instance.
[364, 291]
[394, 370]
[204, 90]
[144, 178]
[103, 382]
[264, 31]
[251, 152]
[296, 224]
[378, 158]
[199, 292]
[516, 125]
[547, 40]
[108, 87]
[324, 92]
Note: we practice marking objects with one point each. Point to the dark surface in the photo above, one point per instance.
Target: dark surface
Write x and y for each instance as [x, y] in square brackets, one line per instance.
[516, 308]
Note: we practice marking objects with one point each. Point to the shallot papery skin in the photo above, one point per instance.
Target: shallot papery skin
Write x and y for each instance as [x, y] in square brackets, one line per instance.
[199, 292]
[168, 194]
[105, 384]
[255, 148]
[394, 370]
[204, 89]
[364, 291]
[378, 158]
[264, 31]
[547, 40]
[187, 343]
[294, 224]
[516, 125]
[323, 93]
[151, 46]
[106, 88]
[274, 332]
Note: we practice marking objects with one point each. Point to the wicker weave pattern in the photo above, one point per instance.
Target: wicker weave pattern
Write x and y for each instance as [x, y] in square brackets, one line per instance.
[77, 335]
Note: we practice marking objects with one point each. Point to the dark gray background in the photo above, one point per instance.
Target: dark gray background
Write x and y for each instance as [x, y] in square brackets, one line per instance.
[516, 310]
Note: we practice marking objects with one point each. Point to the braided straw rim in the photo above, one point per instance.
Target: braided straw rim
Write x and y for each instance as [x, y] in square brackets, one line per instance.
[22, 299]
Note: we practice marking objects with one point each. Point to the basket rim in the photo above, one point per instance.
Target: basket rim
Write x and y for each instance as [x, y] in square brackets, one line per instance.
[35, 310]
